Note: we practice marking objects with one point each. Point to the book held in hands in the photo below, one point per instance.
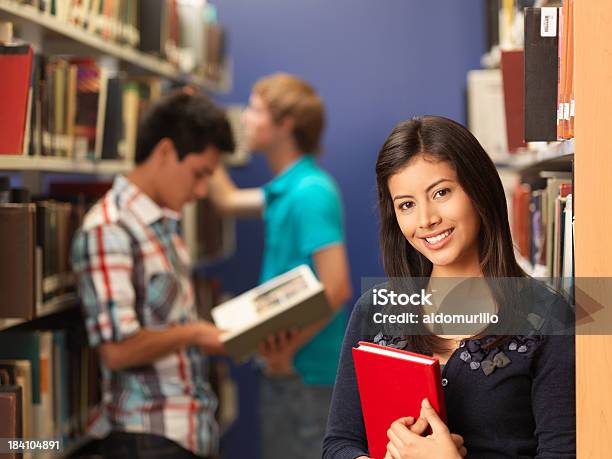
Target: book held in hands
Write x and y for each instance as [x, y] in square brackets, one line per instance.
[392, 385]
[294, 299]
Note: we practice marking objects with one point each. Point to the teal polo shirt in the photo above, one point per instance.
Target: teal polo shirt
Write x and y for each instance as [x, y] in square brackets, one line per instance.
[303, 214]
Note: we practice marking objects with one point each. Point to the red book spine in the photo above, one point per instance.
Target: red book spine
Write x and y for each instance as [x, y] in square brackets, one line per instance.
[15, 79]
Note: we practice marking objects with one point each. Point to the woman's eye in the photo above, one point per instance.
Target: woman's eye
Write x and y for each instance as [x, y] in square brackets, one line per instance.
[406, 205]
[441, 193]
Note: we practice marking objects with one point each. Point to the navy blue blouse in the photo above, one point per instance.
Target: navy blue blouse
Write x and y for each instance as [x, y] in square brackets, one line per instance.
[513, 401]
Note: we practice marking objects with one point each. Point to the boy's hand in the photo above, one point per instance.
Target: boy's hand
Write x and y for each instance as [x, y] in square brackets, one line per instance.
[208, 337]
[278, 351]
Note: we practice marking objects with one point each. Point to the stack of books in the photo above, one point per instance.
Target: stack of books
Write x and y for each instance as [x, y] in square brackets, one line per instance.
[543, 225]
[530, 98]
[35, 242]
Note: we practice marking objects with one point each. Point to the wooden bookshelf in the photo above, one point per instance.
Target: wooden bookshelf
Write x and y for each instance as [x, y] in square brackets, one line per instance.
[52, 36]
[593, 209]
[95, 44]
[555, 152]
[63, 165]
[55, 306]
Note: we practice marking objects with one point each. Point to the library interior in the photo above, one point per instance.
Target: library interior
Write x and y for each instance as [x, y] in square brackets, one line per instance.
[200, 201]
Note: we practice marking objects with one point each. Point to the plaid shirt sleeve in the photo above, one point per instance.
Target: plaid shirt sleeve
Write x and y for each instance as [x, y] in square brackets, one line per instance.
[102, 261]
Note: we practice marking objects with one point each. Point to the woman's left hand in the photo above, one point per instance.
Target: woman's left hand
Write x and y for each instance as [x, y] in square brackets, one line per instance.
[406, 442]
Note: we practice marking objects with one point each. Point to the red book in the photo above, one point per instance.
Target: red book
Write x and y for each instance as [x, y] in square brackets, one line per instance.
[392, 384]
[15, 78]
[565, 189]
[513, 71]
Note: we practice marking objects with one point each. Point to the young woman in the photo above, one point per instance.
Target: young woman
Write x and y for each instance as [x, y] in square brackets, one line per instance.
[443, 214]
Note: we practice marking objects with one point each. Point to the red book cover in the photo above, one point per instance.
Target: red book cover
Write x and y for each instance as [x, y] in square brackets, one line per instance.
[392, 384]
[15, 78]
[565, 189]
[513, 69]
[521, 197]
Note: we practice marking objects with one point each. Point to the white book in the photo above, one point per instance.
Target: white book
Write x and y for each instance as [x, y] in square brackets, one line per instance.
[101, 118]
[294, 299]
[568, 244]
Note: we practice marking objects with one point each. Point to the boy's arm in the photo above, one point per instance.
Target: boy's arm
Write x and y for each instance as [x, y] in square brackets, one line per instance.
[331, 265]
[147, 346]
[102, 261]
[234, 201]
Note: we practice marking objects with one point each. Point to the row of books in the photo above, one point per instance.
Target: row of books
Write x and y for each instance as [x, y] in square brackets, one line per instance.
[115, 20]
[35, 241]
[69, 107]
[49, 382]
[184, 32]
[565, 92]
[543, 224]
[530, 97]
[549, 67]
[503, 24]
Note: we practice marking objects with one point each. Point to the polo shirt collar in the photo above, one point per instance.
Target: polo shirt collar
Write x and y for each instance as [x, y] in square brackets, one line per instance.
[282, 182]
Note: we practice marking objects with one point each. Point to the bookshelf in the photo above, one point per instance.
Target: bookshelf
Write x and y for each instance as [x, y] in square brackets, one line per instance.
[55, 306]
[91, 43]
[62, 165]
[555, 152]
[593, 174]
[56, 328]
[591, 161]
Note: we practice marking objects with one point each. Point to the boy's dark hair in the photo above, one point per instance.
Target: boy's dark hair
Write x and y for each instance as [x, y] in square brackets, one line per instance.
[192, 121]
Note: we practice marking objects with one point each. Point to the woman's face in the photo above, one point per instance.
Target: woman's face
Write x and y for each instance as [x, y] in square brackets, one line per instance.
[434, 213]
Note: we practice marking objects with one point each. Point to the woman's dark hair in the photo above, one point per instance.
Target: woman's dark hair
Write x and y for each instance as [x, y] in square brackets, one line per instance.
[192, 121]
[442, 139]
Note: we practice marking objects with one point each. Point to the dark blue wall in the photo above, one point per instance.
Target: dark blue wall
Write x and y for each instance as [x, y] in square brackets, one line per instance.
[375, 62]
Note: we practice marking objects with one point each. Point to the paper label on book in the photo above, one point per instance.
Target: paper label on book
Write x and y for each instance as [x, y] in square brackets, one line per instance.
[560, 112]
[266, 300]
[548, 22]
[566, 111]
[573, 107]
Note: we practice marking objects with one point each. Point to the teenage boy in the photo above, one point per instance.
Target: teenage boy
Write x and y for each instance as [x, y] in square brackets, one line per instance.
[135, 287]
[303, 219]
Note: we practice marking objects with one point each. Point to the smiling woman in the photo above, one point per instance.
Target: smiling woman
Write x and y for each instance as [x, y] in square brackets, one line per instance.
[443, 213]
[437, 218]
[445, 181]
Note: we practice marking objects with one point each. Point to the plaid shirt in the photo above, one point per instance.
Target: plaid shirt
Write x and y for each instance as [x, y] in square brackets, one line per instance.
[133, 271]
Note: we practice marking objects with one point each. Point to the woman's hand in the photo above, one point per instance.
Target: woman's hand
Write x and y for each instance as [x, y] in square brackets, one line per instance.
[406, 442]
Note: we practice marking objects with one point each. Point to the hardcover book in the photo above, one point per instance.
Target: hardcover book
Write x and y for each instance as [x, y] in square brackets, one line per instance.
[293, 299]
[392, 384]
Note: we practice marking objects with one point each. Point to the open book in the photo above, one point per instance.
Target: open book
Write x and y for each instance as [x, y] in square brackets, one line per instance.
[293, 299]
